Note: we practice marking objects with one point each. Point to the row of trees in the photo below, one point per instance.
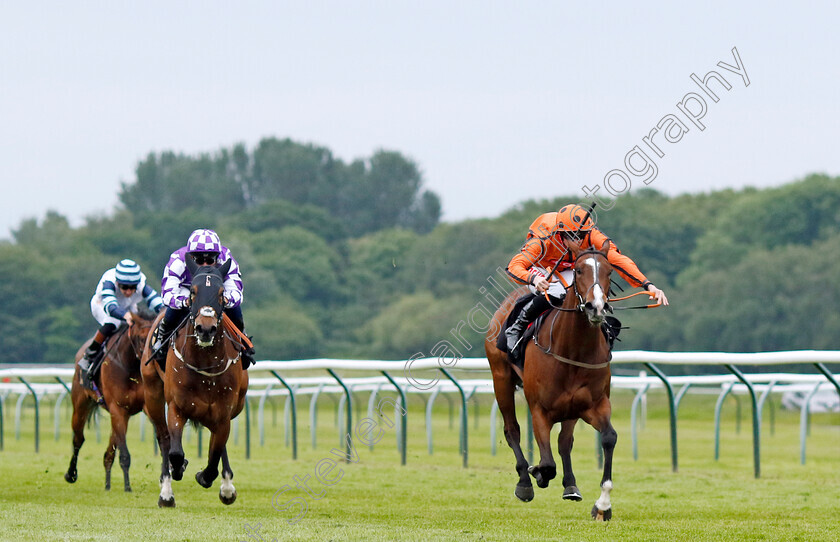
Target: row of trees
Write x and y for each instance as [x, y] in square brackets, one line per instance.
[745, 270]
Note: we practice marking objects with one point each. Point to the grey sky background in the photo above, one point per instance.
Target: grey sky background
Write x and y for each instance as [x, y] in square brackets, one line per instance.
[498, 103]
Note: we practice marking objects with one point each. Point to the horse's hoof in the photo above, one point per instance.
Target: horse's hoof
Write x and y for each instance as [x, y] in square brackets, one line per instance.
[524, 493]
[166, 503]
[227, 500]
[128, 489]
[542, 482]
[107, 487]
[199, 477]
[601, 515]
[572, 493]
[178, 465]
[70, 477]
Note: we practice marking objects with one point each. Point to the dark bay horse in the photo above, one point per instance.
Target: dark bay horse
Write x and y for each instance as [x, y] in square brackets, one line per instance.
[566, 378]
[122, 389]
[203, 383]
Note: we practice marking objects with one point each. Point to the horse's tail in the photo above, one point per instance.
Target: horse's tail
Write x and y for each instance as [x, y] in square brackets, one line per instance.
[92, 414]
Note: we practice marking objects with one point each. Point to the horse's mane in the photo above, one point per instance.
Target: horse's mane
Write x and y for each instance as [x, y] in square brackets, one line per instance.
[145, 313]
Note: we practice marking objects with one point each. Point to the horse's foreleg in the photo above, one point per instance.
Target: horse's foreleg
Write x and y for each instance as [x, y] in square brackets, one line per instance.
[154, 409]
[218, 439]
[81, 408]
[227, 493]
[175, 425]
[547, 469]
[602, 511]
[504, 389]
[565, 440]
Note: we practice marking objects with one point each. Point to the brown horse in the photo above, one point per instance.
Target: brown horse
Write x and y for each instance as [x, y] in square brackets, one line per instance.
[566, 378]
[122, 390]
[203, 382]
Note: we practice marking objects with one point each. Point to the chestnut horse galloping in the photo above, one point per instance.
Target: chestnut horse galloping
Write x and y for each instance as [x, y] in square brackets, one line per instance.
[203, 382]
[566, 378]
[122, 390]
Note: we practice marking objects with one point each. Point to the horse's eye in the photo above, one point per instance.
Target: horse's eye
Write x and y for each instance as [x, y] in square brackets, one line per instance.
[578, 271]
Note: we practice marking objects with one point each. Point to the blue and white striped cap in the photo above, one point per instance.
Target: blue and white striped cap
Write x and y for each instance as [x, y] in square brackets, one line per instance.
[128, 272]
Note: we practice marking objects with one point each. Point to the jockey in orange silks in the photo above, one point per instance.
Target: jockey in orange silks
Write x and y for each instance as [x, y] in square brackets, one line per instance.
[549, 239]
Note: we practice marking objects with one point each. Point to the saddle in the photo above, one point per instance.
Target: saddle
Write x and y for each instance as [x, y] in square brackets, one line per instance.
[95, 369]
[517, 357]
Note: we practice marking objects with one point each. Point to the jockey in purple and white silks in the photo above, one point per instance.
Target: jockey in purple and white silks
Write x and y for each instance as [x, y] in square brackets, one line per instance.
[205, 248]
[119, 291]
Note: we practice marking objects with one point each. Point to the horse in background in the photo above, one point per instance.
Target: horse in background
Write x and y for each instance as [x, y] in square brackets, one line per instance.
[203, 382]
[122, 390]
[566, 377]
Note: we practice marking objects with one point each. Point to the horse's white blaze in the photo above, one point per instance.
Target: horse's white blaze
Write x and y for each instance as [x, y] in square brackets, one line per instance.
[603, 503]
[166, 488]
[599, 299]
[227, 490]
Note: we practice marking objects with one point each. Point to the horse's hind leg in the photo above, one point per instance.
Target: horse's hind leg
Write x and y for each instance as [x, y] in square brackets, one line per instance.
[547, 469]
[227, 493]
[504, 389]
[119, 427]
[565, 440]
[82, 407]
[108, 458]
[155, 411]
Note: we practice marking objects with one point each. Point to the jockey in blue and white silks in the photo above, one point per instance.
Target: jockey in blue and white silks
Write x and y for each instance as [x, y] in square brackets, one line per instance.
[205, 248]
[117, 294]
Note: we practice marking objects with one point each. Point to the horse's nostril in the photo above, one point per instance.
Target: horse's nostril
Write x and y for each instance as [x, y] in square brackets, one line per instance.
[213, 329]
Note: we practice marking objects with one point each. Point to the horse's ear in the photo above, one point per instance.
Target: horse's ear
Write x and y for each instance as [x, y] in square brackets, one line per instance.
[225, 267]
[605, 248]
[191, 265]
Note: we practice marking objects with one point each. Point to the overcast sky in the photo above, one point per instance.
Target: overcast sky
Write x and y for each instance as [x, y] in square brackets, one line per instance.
[497, 102]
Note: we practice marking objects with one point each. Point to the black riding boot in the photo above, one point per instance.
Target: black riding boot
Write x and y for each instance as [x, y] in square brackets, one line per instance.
[85, 364]
[247, 355]
[161, 345]
[528, 314]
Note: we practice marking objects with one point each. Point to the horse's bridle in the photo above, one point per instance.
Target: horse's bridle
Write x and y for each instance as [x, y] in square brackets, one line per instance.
[581, 298]
[220, 314]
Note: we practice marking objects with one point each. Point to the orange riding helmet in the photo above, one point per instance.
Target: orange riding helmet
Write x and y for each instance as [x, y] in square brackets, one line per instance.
[572, 218]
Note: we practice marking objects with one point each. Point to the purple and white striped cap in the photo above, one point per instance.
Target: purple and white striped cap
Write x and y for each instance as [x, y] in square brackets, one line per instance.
[204, 241]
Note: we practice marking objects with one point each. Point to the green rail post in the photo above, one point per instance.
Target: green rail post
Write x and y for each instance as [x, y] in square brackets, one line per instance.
[634, 429]
[57, 414]
[349, 411]
[37, 417]
[755, 419]
[2, 400]
[824, 370]
[673, 412]
[529, 433]
[294, 412]
[718, 408]
[804, 422]
[404, 422]
[247, 428]
[464, 428]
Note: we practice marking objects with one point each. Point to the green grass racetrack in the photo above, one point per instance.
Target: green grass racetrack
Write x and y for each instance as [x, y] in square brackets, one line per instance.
[434, 497]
